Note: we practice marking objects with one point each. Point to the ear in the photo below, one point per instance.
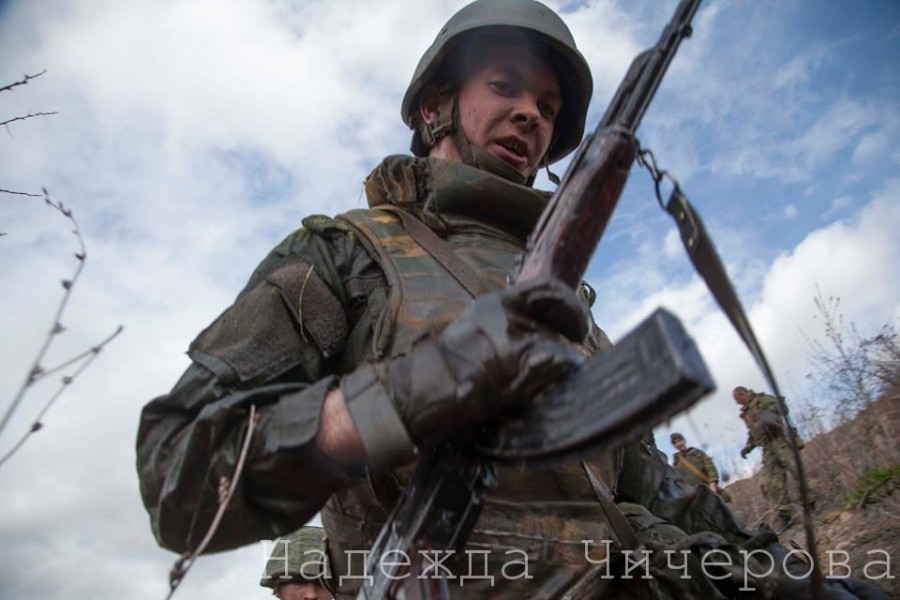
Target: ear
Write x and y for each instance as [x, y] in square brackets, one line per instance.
[429, 103]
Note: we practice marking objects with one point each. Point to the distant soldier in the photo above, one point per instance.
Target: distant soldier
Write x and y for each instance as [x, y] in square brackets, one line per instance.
[695, 465]
[766, 429]
[297, 569]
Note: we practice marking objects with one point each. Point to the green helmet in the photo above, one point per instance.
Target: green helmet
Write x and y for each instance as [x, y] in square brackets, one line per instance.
[676, 436]
[297, 557]
[540, 24]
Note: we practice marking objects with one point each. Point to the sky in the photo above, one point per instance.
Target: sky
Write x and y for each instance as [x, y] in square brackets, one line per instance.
[192, 136]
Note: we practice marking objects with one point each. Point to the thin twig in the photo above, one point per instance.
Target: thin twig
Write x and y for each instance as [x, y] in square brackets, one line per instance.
[2, 233]
[25, 79]
[23, 117]
[226, 490]
[93, 350]
[22, 81]
[66, 381]
[20, 193]
[36, 369]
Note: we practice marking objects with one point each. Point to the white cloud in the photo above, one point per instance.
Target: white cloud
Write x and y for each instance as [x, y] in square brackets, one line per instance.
[193, 136]
[799, 70]
[870, 147]
[854, 260]
[838, 205]
[672, 245]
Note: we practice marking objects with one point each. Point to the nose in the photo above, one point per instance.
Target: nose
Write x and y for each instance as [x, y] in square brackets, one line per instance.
[526, 111]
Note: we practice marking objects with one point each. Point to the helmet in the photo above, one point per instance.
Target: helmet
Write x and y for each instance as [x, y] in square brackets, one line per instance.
[676, 436]
[539, 23]
[299, 556]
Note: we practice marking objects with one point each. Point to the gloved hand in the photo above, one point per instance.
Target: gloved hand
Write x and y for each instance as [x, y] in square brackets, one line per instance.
[745, 451]
[499, 352]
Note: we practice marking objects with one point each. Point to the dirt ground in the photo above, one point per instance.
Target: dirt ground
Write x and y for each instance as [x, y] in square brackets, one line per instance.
[866, 529]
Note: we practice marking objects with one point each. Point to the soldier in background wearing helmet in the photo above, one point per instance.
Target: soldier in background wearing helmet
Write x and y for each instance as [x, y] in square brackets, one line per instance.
[298, 567]
[359, 342]
[765, 429]
[695, 465]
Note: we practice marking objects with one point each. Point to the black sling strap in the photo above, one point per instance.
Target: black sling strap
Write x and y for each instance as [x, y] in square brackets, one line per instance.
[620, 525]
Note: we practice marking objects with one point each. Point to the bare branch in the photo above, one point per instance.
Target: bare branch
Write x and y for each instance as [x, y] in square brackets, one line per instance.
[26, 78]
[226, 491]
[36, 370]
[20, 193]
[91, 352]
[2, 233]
[65, 382]
[23, 117]
[22, 81]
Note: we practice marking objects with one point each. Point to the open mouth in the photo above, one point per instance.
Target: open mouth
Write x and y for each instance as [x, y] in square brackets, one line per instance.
[516, 152]
[515, 147]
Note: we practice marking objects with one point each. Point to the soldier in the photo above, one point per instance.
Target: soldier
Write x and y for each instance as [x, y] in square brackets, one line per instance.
[359, 342]
[695, 466]
[765, 429]
[298, 568]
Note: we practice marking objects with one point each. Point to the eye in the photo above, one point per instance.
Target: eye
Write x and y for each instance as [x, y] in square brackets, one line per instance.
[503, 87]
[547, 111]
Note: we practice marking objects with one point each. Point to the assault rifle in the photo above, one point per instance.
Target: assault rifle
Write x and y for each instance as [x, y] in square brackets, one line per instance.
[648, 377]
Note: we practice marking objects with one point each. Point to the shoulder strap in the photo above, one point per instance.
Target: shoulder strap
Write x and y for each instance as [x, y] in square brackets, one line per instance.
[627, 538]
[686, 461]
[441, 251]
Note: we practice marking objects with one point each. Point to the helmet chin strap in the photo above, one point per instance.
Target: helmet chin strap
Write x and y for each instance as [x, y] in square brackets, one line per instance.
[472, 155]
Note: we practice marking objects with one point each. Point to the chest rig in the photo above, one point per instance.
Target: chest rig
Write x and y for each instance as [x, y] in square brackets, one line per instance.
[541, 514]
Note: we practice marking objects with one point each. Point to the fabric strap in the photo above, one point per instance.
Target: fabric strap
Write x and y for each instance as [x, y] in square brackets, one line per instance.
[692, 468]
[706, 261]
[627, 538]
[441, 251]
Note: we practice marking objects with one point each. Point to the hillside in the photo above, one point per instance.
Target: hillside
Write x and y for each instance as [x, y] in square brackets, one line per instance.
[854, 512]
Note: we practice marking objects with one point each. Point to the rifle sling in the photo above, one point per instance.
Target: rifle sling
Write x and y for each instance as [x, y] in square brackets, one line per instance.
[442, 252]
[706, 261]
[692, 468]
[626, 537]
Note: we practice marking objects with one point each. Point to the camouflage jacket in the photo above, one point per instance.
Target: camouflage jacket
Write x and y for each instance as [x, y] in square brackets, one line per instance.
[764, 424]
[695, 466]
[316, 308]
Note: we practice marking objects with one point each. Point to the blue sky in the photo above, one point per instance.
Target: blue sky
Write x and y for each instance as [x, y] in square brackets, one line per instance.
[193, 136]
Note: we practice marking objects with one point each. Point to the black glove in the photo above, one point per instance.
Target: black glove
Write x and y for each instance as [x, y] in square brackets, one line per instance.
[745, 451]
[497, 353]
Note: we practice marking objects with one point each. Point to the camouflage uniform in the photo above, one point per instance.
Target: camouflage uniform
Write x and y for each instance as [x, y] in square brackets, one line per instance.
[765, 430]
[334, 295]
[695, 466]
[298, 558]
[342, 293]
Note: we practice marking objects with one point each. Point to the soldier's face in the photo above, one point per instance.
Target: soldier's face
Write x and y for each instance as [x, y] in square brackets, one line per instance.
[303, 591]
[508, 102]
[679, 445]
[740, 396]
